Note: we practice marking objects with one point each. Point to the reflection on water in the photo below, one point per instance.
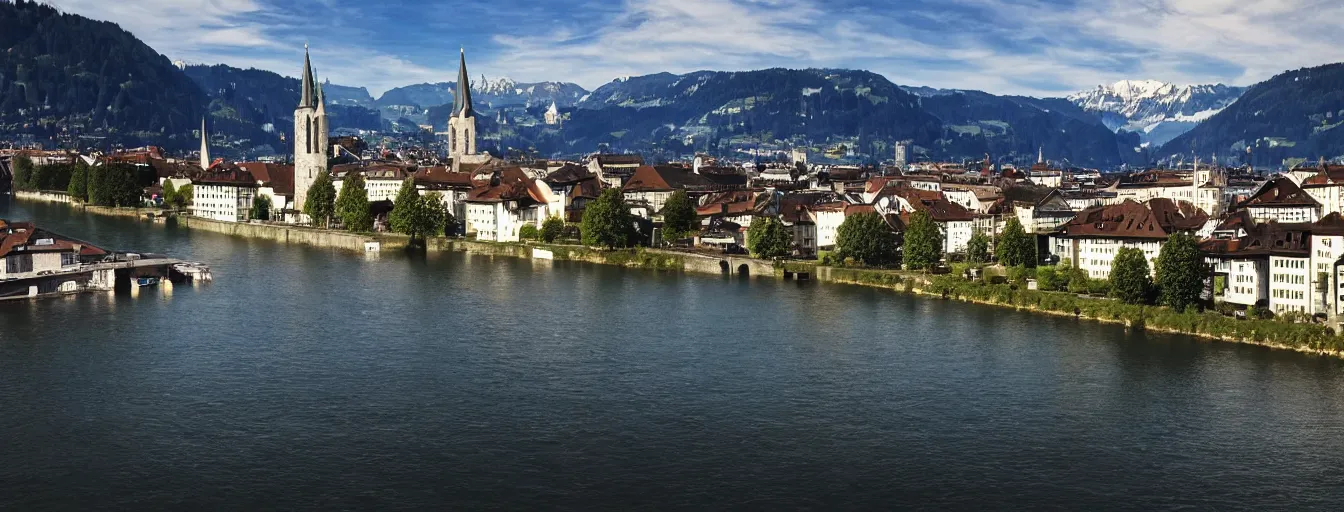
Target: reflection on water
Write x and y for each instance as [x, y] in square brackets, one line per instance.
[307, 378]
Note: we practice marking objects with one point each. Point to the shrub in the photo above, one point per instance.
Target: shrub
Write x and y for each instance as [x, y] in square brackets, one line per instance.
[528, 232]
[552, 229]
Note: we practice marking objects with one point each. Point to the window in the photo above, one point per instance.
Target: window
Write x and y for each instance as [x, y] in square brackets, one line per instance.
[69, 258]
[18, 263]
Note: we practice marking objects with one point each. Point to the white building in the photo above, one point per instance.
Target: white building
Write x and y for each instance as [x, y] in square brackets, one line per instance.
[224, 196]
[1093, 238]
[1282, 201]
[497, 211]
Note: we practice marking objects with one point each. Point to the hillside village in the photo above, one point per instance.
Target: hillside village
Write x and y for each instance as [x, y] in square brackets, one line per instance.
[1274, 243]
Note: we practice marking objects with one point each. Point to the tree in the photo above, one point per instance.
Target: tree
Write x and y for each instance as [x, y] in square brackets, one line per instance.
[607, 221]
[261, 208]
[352, 207]
[183, 197]
[679, 218]
[867, 238]
[433, 217]
[528, 232]
[115, 185]
[552, 229]
[1181, 272]
[23, 173]
[1016, 247]
[1131, 281]
[406, 212]
[923, 242]
[977, 248]
[79, 182]
[320, 204]
[768, 238]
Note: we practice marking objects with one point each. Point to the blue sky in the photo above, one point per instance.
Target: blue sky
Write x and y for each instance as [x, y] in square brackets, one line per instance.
[1035, 47]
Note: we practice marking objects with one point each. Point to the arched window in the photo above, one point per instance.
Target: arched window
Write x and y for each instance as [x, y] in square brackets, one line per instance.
[308, 141]
[452, 140]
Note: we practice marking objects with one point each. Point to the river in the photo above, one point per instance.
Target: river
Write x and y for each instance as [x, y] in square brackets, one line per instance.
[317, 379]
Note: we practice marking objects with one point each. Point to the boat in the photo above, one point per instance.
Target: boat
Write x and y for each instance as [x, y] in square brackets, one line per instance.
[146, 281]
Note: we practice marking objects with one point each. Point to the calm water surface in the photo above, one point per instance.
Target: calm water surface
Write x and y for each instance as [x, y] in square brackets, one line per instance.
[317, 379]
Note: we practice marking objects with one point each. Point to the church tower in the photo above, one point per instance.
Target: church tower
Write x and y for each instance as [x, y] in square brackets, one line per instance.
[311, 148]
[462, 126]
[205, 147]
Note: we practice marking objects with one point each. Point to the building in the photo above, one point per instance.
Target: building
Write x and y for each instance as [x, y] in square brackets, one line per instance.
[382, 180]
[553, 115]
[649, 187]
[275, 182]
[462, 124]
[225, 195]
[29, 251]
[1283, 201]
[613, 170]
[497, 209]
[311, 149]
[453, 187]
[1092, 239]
[1327, 188]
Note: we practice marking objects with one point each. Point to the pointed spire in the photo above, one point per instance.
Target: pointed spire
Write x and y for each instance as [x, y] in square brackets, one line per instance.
[321, 100]
[205, 147]
[1040, 155]
[306, 96]
[463, 96]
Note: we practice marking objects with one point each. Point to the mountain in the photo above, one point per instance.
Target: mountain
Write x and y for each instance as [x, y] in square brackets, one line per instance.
[487, 94]
[344, 95]
[830, 106]
[1157, 111]
[64, 76]
[1295, 115]
[252, 101]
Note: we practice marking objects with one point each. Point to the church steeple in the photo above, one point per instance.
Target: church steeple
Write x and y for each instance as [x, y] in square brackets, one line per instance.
[205, 147]
[306, 96]
[463, 96]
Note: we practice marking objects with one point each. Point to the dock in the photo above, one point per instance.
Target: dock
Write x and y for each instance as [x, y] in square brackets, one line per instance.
[104, 276]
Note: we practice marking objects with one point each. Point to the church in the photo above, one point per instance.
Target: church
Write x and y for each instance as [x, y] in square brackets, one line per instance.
[462, 124]
[311, 147]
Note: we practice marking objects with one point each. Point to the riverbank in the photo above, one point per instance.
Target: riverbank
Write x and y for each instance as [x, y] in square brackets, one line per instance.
[1305, 338]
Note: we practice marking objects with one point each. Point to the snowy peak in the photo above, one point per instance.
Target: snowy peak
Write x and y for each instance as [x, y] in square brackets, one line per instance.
[1158, 111]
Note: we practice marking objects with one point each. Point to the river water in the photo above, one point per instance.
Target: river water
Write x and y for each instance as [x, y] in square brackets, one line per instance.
[318, 379]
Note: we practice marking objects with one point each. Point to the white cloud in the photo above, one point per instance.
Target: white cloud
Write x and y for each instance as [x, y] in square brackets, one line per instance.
[1037, 47]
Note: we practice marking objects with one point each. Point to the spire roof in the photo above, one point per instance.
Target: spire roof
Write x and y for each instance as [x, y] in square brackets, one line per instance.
[306, 95]
[463, 96]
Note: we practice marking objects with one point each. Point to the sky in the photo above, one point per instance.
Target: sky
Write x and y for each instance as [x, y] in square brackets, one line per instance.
[1028, 47]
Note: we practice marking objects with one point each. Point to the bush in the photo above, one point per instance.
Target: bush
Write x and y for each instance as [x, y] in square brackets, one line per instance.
[552, 229]
[1019, 275]
[1051, 279]
[1098, 287]
[528, 232]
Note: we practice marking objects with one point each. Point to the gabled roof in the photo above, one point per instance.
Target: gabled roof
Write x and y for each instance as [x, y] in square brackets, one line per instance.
[1328, 176]
[279, 177]
[231, 177]
[440, 178]
[26, 238]
[623, 160]
[1133, 220]
[1280, 192]
[648, 178]
[569, 174]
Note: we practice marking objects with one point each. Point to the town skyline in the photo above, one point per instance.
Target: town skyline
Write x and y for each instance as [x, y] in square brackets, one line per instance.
[1038, 48]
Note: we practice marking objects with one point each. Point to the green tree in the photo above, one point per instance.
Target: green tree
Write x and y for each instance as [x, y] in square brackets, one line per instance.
[183, 197]
[23, 173]
[115, 185]
[679, 218]
[433, 217]
[867, 238]
[552, 229]
[1051, 279]
[79, 182]
[977, 248]
[923, 242]
[352, 207]
[320, 205]
[261, 208]
[769, 238]
[1181, 272]
[528, 232]
[1131, 280]
[1016, 247]
[169, 193]
[406, 213]
[607, 221]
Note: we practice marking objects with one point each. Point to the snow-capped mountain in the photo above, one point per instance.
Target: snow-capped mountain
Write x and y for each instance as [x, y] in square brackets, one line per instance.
[1157, 111]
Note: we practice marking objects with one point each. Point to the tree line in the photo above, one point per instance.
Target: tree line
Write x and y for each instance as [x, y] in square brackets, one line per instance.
[111, 184]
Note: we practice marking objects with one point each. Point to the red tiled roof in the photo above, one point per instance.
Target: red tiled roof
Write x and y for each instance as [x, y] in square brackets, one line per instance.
[441, 177]
[278, 177]
[21, 236]
[1131, 219]
[1280, 192]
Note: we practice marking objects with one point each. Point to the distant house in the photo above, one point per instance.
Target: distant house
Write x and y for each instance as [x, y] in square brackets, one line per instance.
[28, 251]
[613, 170]
[1282, 200]
[276, 183]
[497, 209]
[382, 180]
[1092, 239]
[648, 189]
[452, 187]
[956, 222]
[224, 195]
